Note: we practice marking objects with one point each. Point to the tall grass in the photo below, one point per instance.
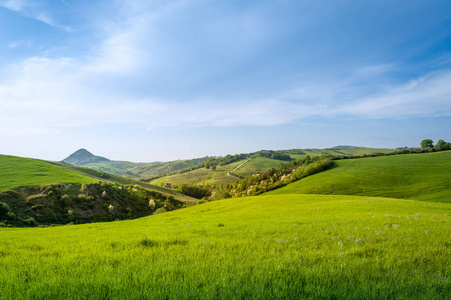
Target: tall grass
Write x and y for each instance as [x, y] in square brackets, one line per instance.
[266, 247]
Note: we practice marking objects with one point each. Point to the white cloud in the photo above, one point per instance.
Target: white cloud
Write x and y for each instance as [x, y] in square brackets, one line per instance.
[15, 5]
[427, 96]
[43, 96]
[32, 10]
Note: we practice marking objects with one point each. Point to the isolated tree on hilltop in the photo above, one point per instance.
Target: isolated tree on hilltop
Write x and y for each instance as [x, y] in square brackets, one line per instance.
[427, 143]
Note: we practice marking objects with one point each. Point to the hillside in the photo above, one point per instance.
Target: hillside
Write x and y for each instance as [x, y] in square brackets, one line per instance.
[18, 172]
[337, 151]
[35, 192]
[254, 164]
[266, 247]
[84, 158]
[101, 176]
[413, 176]
[200, 176]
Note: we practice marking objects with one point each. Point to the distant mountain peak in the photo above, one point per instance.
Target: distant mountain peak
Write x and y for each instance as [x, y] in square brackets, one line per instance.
[82, 157]
[82, 152]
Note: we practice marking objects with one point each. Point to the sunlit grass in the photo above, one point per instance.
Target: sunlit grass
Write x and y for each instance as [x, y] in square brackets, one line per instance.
[414, 176]
[290, 246]
[18, 172]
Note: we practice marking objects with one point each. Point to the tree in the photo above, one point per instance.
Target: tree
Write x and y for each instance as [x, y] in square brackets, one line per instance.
[442, 145]
[427, 143]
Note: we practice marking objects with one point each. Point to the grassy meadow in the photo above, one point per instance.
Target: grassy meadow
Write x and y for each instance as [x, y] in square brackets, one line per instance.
[341, 152]
[266, 247]
[18, 172]
[425, 176]
[256, 165]
[202, 176]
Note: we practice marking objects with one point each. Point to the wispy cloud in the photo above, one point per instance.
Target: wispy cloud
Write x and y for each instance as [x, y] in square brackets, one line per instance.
[33, 10]
[42, 95]
[50, 94]
[427, 96]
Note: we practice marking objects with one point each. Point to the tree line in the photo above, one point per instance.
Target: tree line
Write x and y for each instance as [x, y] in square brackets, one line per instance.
[261, 182]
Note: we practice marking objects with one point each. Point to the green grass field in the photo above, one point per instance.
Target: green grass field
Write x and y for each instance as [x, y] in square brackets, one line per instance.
[17, 172]
[414, 176]
[258, 164]
[202, 176]
[342, 152]
[265, 247]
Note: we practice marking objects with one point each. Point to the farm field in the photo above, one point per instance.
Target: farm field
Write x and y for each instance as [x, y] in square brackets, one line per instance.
[424, 176]
[17, 172]
[252, 166]
[256, 165]
[201, 176]
[267, 247]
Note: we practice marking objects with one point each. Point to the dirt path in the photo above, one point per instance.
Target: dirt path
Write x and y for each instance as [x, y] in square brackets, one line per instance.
[228, 173]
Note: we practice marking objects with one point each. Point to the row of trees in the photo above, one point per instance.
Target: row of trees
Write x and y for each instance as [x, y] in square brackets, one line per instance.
[214, 162]
[440, 146]
[260, 182]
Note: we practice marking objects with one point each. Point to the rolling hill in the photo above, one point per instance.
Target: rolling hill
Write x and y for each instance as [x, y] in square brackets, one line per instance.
[265, 247]
[253, 165]
[84, 158]
[17, 172]
[35, 192]
[424, 176]
[290, 243]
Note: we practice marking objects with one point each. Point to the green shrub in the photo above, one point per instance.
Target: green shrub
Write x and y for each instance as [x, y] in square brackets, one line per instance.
[4, 209]
[160, 210]
[81, 197]
[37, 207]
[30, 222]
[36, 198]
[66, 200]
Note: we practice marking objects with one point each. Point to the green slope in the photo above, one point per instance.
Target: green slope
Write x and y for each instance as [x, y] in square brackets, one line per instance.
[222, 174]
[18, 172]
[339, 152]
[413, 176]
[101, 176]
[266, 247]
[258, 164]
[201, 176]
[255, 165]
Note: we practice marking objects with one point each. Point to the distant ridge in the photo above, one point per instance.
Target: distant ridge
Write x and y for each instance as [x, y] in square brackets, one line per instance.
[82, 157]
[343, 147]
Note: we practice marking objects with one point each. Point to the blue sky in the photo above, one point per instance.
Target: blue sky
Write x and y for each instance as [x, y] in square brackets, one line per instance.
[162, 80]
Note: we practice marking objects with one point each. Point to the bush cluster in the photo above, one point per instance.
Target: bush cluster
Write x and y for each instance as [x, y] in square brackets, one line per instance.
[261, 182]
[74, 203]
